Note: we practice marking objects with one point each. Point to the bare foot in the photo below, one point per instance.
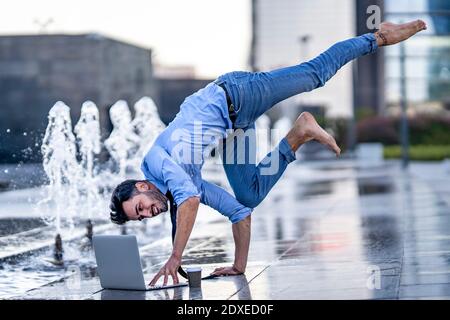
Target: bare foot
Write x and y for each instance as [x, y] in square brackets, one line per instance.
[306, 129]
[391, 33]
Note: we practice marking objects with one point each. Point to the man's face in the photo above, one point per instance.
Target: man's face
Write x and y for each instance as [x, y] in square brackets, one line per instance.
[146, 204]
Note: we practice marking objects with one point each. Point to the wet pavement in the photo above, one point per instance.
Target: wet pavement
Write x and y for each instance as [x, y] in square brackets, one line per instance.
[328, 230]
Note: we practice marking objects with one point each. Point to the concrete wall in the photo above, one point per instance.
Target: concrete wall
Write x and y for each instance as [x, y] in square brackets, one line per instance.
[36, 71]
[172, 93]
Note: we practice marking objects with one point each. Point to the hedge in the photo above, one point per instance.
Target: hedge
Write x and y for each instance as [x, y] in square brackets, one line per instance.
[419, 152]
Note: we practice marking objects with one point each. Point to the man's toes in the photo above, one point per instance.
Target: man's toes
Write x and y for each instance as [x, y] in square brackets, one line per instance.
[333, 145]
[422, 25]
[337, 151]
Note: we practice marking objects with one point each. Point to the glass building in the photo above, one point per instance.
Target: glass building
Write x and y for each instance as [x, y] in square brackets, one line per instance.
[427, 56]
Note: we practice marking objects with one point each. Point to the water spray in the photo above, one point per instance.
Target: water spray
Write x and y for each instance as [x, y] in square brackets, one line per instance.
[122, 141]
[76, 183]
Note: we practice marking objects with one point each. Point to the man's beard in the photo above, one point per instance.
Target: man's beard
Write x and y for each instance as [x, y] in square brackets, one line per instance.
[158, 196]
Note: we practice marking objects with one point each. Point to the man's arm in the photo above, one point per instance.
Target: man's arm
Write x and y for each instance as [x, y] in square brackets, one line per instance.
[241, 235]
[187, 212]
[185, 221]
[220, 200]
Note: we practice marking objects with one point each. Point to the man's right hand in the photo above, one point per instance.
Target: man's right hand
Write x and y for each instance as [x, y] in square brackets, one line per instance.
[187, 213]
[169, 269]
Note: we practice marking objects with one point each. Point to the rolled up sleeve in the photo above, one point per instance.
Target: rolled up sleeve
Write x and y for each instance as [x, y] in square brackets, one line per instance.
[220, 200]
[178, 182]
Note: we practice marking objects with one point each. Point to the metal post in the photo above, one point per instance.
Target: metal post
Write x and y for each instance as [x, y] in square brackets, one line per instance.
[404, 131]
[89, 230]
[303, 41]
[86, 243]
[58, 251]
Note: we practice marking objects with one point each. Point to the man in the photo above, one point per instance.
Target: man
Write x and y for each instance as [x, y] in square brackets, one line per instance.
[172, 167]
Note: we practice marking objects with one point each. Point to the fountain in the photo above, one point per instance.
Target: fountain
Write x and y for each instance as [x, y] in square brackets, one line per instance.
[61, 166]
[87, 241]
[122, 142]
[75, 179]
[74, 202]
[147, 126]
[87, 132]
[58, 251]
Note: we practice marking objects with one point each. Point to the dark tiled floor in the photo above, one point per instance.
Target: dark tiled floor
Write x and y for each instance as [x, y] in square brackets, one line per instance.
[346, 232]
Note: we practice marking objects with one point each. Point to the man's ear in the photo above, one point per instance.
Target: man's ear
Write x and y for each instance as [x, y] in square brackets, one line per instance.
[142, 186]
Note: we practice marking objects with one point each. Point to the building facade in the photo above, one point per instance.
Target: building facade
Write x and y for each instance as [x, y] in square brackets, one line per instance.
[426, 56]
[288, 32]
[38, 70]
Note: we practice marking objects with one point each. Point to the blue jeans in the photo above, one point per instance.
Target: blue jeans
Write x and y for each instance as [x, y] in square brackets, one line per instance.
[253, 94]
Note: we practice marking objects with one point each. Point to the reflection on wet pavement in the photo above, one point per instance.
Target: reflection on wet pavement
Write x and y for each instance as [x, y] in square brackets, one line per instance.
[15, 225]
[330, 231]
[374, 186]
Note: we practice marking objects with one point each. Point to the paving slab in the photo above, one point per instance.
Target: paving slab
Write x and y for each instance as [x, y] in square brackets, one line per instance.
[328, 230]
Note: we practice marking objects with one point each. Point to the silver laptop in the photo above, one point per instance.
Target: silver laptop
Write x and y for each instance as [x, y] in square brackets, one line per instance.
[119, 264]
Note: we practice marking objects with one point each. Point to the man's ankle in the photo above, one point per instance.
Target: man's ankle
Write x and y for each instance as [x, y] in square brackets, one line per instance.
[293, 141]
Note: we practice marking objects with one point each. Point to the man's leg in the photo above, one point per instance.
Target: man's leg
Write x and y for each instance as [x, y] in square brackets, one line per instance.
[254, 93]
[250, 182]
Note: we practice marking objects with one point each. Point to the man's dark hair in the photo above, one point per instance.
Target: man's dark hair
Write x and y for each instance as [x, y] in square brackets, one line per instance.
[124, 191]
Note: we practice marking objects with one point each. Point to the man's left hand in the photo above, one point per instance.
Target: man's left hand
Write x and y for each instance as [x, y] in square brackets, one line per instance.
[169, 269]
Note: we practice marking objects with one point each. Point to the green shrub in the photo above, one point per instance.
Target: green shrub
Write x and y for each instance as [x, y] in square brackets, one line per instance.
[423, 130]
[429, 131]
[377, 129]
[419, 152]
[362, 113]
